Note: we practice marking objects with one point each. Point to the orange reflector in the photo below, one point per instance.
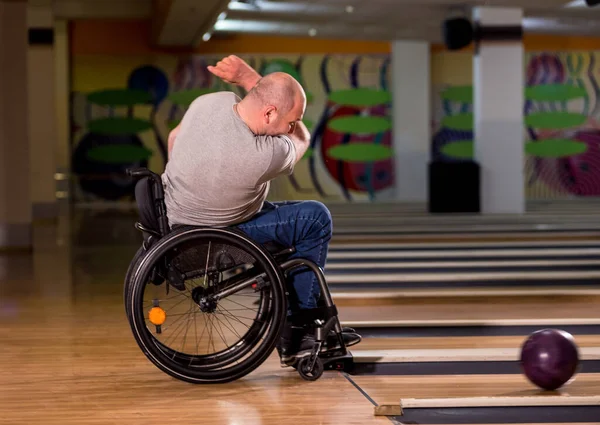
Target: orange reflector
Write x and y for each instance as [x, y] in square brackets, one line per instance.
[157, 316]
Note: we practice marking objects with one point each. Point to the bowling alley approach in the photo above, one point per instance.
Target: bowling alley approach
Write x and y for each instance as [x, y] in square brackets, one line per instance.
[492, 353]
[289, 212]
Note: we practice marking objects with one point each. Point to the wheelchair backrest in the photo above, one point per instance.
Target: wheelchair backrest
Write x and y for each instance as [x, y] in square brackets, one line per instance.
[149, 197]
[144, 197]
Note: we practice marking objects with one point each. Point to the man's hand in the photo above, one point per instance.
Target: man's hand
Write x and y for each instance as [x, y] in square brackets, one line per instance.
[234, 70]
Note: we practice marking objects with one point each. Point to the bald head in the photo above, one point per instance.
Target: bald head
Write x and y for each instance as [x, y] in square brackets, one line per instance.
[273, 104]
[278, 89]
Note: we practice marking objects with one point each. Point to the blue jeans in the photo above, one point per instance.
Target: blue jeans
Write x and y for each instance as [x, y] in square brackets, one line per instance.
[305, 225]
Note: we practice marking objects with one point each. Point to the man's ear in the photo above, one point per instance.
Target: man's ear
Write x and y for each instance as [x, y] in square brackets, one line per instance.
[270, 114]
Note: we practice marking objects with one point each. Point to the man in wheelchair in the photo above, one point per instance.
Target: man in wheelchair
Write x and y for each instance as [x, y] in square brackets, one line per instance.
[222, 157]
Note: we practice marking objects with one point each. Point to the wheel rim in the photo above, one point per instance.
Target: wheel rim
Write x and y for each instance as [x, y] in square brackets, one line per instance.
[226, 362]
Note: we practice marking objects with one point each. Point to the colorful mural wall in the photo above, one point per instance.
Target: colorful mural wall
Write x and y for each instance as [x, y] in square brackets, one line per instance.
[561, 111]
[124, 107]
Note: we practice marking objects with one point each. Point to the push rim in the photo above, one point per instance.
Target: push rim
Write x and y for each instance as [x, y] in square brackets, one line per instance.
[223, 365]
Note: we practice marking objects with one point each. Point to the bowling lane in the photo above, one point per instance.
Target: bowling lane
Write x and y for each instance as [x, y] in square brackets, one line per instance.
[441, 266]
[570, 235]
[361, 247]
[426, 310]
[449, 342]
[534, 208]
[382, 297]
[481, 399]
[391, 389]
[374, 255]
[365, 295]
[364, 266]
[468, 227]
[457, 220]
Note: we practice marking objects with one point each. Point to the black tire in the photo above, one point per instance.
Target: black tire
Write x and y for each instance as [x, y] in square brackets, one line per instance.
[226, 366]
[206, 362]
[132, 268]
[310, 375]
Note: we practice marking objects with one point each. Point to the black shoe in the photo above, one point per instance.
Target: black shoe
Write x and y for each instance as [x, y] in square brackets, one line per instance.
[298, 342]
[292, 350]
[295, 342]
[349, 338]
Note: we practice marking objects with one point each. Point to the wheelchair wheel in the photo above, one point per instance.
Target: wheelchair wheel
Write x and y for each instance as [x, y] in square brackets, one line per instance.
[215, 282]
[133, 265]
[132, 268]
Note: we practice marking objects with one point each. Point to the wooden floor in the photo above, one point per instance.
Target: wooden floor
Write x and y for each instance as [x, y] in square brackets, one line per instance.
[68, 357]
[86, 382]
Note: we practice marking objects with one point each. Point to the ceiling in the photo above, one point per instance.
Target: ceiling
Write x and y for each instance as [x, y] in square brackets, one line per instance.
[188, 22]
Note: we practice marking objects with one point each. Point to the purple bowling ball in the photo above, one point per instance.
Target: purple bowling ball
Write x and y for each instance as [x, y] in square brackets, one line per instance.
[549, 358]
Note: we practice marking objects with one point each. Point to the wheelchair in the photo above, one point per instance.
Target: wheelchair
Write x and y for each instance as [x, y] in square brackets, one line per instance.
[185, 279]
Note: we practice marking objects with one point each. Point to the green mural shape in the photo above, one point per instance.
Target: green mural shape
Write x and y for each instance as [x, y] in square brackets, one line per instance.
[172, 124]
[463, 149]
[538, 93]
[119, 154]
[360, 152]
[308, 123]
[555, 148]
[186, 97]
[309, 152]
[120, 97]
[554, 92]
[550, 148]
[119, 125]
[360, 125]
[555, 120]
[362, 97]
[462, 122]
[309, 97]
[462, 94]
[282, 65]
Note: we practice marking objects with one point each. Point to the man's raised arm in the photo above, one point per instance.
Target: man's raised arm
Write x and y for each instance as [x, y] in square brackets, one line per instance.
[234, 70]
[301, 139]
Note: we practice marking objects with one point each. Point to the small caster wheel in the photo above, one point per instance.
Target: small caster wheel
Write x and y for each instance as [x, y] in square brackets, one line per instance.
[310, 375]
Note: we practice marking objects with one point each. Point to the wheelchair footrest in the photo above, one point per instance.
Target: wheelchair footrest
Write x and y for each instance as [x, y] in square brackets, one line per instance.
[307, 317]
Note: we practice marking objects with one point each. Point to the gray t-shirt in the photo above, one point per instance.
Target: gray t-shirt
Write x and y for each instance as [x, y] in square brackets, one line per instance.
[219, 171]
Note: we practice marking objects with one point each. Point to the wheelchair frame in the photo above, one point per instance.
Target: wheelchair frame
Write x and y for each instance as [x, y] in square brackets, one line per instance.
[324, 317]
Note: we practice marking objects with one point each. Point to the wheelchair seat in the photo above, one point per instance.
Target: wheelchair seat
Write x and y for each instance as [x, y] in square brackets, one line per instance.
[153, 221]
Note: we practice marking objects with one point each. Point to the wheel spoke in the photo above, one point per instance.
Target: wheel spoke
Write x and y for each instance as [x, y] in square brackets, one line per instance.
[234, 331]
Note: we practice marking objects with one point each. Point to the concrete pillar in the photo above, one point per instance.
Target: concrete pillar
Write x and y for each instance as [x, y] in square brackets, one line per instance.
[15, 202]
[498, 109]
[42, 102]
[62, 113]
[411, 118]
